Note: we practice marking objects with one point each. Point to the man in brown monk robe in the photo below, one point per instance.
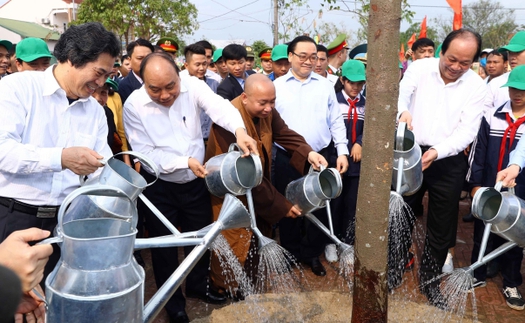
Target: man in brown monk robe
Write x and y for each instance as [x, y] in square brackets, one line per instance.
[264, 124]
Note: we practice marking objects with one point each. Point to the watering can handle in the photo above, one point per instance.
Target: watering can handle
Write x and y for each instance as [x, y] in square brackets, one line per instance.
[52, 240]
[145, 160]
[499, 186]
[232, 147]
[400, 135]
[99, 189]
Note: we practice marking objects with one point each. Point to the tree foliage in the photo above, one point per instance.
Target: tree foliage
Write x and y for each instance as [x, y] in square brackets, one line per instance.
[328, 31]
[362, 9]
[489, 18]
[293, 18]
[257, 47]
[149, 19]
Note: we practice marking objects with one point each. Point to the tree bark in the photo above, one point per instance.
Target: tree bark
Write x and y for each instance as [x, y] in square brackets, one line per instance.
[370, 300]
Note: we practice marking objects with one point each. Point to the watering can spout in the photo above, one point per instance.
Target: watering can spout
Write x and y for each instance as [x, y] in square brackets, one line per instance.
[233, 214]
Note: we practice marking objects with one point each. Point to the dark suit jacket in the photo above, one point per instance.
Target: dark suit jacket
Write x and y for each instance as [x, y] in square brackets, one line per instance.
[230, 87]
[127, 86]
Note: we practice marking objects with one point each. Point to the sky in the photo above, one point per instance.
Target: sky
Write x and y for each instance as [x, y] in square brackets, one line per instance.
[251, 20]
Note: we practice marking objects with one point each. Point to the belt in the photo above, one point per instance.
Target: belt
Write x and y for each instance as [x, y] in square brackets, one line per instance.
[43, 212]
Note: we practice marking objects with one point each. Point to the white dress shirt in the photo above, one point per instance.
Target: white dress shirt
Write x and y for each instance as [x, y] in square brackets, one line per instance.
[212, 75]
[310, 108]
[170, 136]
[497, 95]
[37, 124]
[444, 116]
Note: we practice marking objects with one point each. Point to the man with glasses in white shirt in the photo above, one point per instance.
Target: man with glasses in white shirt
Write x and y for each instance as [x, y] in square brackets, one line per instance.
[308, 105]
[442, 99]
[52, 130]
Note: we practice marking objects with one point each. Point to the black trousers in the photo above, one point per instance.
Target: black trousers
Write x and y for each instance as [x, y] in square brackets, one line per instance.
[299, 236]
[12, 220]
[344, 208]
[444, 181]
[510, 261]
[188, 207]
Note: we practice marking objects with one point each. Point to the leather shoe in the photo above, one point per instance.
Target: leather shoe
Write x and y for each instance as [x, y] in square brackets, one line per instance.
[180, 317]
[317, 266]
[211, 297]
[468, 218]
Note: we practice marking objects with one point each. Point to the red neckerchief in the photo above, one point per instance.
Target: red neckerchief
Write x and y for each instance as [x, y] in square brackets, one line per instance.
[352, 111]
[512, 128]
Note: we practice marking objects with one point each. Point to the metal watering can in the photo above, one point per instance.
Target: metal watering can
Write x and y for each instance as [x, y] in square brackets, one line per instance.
[233, 174]
[502, 214]
[98, 280]
[310, 192]
[408, 173]
[314, 191]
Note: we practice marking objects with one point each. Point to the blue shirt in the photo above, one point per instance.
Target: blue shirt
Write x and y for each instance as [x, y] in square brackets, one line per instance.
[241, 80]
[311, 109]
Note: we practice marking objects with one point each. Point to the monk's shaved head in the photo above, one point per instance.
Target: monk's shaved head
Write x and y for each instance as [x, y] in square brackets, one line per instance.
[255, 81]
[258, 96]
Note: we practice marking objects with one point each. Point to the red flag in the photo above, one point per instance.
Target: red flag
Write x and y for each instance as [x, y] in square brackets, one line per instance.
[402, 53]
[423, 32]
[411, 41]
[458, 13]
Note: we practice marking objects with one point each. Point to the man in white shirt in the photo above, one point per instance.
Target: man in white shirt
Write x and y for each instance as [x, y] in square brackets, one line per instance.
[498, 95]
[308, 105]
[442, 101]
[162, 121]
[137, 51]
[52, 130]
[321, 67]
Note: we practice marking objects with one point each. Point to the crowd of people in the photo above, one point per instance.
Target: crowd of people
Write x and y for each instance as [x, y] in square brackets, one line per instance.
[303, 107]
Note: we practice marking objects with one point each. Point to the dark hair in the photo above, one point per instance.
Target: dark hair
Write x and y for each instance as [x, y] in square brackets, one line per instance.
[139, 42]
[12, 50]
[84, 43]
[422, 42]
[234, 51]
[206, 44]
[504, 54]
[158, 49]
[462, 33]
[321, 48]
[298, 39]
[167, 57]
[193, 49]
[339, 86]
[124, 57]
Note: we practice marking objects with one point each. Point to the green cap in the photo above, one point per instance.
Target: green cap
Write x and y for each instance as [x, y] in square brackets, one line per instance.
[516, 44]
[217, 54]
[112, 84]
[280, 52]
[249, 51]
[517, 78]
[354, 70]
[438, 51]
[30, 49]
[6, 43]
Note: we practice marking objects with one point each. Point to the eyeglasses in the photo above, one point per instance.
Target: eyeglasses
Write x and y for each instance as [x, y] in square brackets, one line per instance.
[302, 57]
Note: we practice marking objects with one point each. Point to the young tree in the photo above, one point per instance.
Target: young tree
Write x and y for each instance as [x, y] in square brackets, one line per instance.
[293, 18]
[149, 19]
[370, 302]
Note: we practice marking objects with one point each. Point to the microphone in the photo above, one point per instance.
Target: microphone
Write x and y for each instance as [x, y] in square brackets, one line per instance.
[10, 294]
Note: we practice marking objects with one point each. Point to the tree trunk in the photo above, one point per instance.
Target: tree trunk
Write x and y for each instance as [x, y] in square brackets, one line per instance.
[370, 301]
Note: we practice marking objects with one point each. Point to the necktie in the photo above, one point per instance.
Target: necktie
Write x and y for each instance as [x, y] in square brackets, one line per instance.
[511, 129]
[352, 111]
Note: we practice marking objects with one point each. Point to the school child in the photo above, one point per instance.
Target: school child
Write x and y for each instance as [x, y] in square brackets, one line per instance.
[352, 104]
[498, 135]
